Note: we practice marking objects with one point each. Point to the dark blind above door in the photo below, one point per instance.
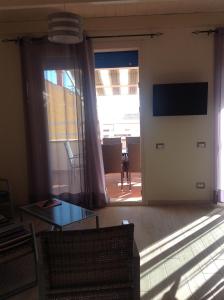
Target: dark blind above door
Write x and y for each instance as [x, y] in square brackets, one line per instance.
[119, 59]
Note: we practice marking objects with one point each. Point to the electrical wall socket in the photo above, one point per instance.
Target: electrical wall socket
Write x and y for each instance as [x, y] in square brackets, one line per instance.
[201, 144]
[160, 145]
[200, 185]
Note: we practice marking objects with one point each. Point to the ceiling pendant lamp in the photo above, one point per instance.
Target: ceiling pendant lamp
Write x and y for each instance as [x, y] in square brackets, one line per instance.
[65, 28]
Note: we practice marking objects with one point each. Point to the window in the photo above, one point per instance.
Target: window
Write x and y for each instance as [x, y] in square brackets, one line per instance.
[61, 93]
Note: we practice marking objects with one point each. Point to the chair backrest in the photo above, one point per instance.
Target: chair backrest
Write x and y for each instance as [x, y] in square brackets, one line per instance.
[82, 258]
[69, 153]
[17, 246]
[5, 198]
[111, 141]
[134, 157]
[112, 158]
[132, 140]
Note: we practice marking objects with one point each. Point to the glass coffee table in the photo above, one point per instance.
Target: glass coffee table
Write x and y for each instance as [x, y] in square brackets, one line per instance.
[60, 215]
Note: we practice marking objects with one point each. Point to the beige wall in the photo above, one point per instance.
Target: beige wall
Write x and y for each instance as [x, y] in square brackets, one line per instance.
[171, 173]
[13, 163]
[177, 56]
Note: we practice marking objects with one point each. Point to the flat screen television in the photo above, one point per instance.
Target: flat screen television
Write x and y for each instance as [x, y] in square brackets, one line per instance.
[180, 99]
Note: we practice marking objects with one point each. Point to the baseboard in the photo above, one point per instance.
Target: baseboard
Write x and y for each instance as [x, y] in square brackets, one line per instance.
[165, 203]
[179, 202]
[128, 203]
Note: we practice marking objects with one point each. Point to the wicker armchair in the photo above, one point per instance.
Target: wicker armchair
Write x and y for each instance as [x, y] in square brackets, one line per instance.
[95, 264]
[6, 204]
[18, 258]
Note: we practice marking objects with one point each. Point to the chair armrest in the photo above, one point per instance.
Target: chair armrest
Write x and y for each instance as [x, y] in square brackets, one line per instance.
[136, 272]
[135, 268]
[135, 248]
[135, 251]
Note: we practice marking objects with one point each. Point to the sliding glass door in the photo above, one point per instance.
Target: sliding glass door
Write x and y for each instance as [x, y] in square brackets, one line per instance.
[64, 108]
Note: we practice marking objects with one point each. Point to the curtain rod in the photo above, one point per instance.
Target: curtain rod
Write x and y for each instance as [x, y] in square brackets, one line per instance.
[19, 38]
[152, 35]
[210, 31]
[10, 40]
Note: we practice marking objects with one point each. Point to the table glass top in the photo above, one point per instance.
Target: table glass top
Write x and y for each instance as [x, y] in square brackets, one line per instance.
[60, 215]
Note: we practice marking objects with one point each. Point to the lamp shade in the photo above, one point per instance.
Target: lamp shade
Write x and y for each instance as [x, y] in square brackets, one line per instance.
[65, 28]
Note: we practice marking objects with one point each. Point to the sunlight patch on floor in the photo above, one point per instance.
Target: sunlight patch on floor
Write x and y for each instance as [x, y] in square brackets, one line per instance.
[116, 194]
[175, 237]
[185, 264]
[135, 184]
[131, 199]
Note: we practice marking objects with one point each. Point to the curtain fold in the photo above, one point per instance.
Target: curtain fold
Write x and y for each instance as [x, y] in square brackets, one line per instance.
[36, 123]
[95, 170]
[219, 114]
[63, 144]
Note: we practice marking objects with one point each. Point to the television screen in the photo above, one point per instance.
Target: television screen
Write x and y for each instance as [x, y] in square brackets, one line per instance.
[180, 99]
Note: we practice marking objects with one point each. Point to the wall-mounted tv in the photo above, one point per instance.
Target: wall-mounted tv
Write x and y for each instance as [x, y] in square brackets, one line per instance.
[180, 99]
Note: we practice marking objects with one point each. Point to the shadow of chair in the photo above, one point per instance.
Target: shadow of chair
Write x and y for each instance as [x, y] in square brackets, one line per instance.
[6, 203]
[111, 141]
[112, 160]
[90, 264]
[133, 160]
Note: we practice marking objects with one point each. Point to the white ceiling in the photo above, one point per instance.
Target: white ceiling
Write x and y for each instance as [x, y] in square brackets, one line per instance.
[26, 10]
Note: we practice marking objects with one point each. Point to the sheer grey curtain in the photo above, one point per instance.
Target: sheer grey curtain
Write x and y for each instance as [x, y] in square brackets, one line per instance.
[94, 160]
[219, 113]
[65, 158]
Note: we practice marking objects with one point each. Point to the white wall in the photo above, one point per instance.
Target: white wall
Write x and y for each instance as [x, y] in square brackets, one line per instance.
[171, 173]
[177, 56]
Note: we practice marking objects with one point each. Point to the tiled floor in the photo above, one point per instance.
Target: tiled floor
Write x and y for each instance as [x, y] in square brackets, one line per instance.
[113, 184]
[181, 249]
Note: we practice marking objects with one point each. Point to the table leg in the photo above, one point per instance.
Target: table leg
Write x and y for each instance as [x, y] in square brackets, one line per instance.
[97, 222]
